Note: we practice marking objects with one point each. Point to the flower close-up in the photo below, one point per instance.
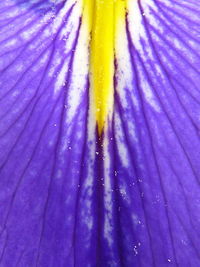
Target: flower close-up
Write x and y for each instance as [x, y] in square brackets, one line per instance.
[99, 133]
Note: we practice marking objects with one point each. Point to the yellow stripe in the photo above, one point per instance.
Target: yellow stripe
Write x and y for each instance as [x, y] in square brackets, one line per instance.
[103, 17]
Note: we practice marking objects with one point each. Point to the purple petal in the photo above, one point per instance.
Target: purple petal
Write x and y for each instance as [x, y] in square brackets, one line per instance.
[72, 198]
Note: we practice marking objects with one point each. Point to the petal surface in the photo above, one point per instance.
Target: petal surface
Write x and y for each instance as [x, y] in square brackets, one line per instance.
[71, 196]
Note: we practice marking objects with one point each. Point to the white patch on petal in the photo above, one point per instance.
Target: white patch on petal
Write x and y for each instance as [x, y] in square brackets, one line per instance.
[108, 202]
[121, 144]
[79, 72]
[149, 96]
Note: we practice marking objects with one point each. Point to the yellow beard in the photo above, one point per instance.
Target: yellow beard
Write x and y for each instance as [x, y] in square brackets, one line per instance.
[103, 18]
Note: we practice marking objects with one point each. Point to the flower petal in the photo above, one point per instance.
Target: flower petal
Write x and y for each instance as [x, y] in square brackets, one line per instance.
[44, 103]
[156, 130]
[72, 196]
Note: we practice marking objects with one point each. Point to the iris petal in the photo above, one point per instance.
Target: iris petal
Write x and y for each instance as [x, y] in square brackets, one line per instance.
[70, 195]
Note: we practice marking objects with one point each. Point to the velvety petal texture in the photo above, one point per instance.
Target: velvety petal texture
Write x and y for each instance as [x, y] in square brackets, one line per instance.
[74, 196]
